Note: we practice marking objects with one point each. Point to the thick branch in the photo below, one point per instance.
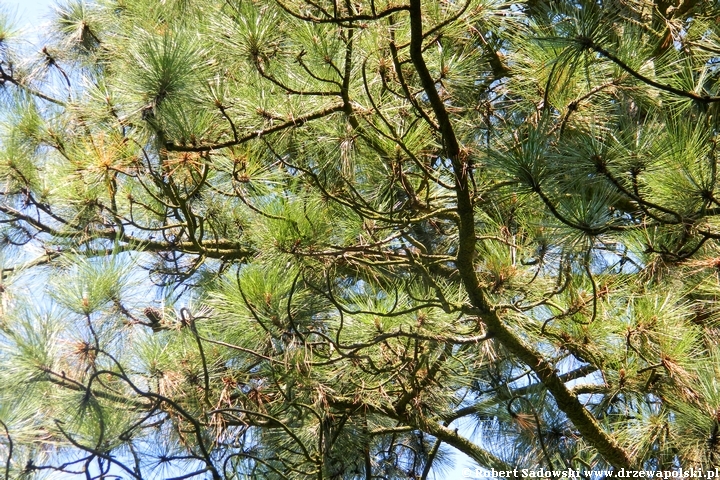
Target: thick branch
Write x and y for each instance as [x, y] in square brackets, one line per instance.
[566, 401]
[448, 436]
[451, 437]
[296, 122]
[524, 390]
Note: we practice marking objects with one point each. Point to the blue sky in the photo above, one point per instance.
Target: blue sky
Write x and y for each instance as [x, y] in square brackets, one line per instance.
[31, 14]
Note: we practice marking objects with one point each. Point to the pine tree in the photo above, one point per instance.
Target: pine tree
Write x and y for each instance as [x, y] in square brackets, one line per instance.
[309, 239]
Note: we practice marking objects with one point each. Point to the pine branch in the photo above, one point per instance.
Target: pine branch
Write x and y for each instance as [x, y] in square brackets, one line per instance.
[590, 45]
[566, 401]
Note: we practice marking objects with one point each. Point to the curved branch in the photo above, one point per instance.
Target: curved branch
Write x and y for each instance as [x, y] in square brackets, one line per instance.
[10, 450]
[566, 401]
[589, 44]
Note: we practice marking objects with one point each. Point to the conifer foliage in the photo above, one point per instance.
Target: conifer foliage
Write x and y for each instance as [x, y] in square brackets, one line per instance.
[341, 239]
